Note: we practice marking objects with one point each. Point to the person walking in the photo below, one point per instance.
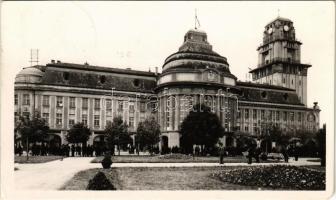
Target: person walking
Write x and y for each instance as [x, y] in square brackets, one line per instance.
[221, 154]
[72, 148]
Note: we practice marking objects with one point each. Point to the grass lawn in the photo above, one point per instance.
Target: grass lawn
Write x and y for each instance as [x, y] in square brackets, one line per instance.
[35, 159]
[159, 159]
[158, 178]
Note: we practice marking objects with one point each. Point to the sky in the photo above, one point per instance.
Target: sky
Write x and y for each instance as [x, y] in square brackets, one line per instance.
[140, 35]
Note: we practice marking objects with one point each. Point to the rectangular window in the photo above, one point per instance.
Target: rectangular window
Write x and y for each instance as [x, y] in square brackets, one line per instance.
[58, 118]
[262, 114]
[72, 102]
[71, 122]
[285, 116]
[277, 115]
[255, 128]
[291, 116]
[299, 117]
[59, 101]
[254, 114]
[270, 113]
[26, 99]
[168, 119]
[96, 120]
[45, 116]
[239, 113]
[45, 100]
[246, 113]
[16, 100]
[131, 122]
[246, 128]
[84, 119]
[131, 107]
[108, 104]
[142, 107]
[97, 104]
[85, 103]
[120, 106]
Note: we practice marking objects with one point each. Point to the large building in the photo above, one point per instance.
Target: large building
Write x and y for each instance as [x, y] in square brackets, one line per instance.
[66, 93]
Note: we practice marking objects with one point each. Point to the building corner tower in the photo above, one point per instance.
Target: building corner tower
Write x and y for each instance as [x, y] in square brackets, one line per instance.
[279, 59]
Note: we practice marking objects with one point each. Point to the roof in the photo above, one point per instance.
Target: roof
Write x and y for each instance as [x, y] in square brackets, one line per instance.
[101, 79]
[88, 67]
[280, 19]
[34, 71]
[264, 86]
[267, 94]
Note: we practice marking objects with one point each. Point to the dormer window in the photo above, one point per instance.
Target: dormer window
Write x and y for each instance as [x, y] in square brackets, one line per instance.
[66, 75]
[102, 79]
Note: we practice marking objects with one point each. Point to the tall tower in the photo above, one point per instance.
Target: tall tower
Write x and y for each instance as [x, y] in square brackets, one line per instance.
[279, 61]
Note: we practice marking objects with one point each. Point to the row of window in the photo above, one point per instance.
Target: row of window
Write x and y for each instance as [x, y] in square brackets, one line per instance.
[72, 103]
[271, 115]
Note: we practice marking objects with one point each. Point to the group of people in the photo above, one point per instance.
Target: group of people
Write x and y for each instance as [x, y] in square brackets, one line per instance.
[67, 150]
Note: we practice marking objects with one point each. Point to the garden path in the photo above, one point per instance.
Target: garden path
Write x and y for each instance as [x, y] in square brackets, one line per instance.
[53, 175]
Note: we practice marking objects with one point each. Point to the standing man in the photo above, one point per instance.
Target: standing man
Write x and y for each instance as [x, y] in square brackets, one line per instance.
[221, 154]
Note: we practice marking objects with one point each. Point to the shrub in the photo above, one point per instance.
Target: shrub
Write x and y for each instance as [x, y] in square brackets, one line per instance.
[175, 149]
[100, 182]
[107, 161]
[263, 156]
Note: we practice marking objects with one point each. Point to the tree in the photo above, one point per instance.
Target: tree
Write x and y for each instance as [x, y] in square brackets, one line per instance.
[148, 133]
[200, 127]
[31, 130]
[321, 138]
[117, 134]
[79, 133]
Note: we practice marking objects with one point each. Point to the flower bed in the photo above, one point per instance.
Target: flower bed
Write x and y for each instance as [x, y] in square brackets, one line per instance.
[275, 177]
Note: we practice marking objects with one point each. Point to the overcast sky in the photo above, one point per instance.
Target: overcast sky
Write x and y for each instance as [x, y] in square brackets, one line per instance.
[141, 35]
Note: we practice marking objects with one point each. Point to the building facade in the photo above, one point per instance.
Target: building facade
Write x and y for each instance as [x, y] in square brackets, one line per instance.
[65, 93]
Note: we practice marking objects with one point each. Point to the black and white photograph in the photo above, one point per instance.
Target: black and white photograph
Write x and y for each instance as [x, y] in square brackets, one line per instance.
[167, 100]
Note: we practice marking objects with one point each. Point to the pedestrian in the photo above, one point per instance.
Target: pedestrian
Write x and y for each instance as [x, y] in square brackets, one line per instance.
[72, 149]
[296, 154]
[249, 156]
[20, 149]
[257, 154]
[221, 154]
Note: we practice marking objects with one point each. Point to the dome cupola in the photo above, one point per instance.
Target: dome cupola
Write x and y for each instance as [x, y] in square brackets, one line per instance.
[196, 61]
[29, 75]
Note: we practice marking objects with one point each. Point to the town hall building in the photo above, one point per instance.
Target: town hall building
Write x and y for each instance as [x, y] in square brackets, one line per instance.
[66, 93]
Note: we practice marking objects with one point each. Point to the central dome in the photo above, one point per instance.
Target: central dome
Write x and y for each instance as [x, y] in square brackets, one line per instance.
[194, 58]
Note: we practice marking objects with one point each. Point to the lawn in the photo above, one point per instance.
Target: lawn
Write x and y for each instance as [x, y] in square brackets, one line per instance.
[175, 159]
[158, 178]
[35, 159]
[203, 178]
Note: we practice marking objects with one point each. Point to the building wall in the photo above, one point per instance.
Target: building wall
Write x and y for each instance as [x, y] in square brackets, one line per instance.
[53, 111]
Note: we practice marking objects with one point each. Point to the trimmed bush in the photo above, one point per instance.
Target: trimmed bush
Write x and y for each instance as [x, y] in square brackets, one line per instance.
[100, 182]
[107, 161]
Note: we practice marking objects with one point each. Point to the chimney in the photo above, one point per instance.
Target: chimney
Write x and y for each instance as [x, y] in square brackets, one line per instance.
[315, 105]
[58, 61]
[156, 70]
[53, 61]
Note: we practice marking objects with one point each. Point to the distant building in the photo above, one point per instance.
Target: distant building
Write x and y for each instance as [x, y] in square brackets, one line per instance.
[65, 93]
